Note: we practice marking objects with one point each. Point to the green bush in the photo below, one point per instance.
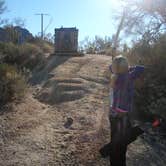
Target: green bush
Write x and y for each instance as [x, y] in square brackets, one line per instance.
[12, 84]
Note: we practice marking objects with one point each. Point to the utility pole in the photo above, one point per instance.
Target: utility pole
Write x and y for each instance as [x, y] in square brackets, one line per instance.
[42, 21]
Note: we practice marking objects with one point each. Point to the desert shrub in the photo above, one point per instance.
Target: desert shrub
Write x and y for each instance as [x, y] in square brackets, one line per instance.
[151, 99]
[10, 51]
[28, 49]
[45, 46]
[26, 55]
[97, 45]
[30, 56]
[12, 84]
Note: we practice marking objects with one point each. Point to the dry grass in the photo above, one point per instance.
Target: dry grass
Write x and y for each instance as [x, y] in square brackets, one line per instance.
[27, 55]
[12, 84]
[34, 133]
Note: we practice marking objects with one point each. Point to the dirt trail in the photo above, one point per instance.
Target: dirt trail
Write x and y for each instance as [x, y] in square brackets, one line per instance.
[63, 120]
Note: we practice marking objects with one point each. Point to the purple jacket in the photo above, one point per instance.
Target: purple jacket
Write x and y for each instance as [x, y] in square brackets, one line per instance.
[122, 93]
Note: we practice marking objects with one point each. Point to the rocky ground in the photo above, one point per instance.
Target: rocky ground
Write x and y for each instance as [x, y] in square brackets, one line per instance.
[63, 119]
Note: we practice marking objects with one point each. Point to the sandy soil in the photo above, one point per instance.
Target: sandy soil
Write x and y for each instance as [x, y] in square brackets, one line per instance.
[63, 119]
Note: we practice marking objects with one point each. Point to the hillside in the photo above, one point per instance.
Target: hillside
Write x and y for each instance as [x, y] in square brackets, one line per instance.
[63, 119]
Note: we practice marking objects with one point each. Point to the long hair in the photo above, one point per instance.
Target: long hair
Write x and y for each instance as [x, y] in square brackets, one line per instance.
[118, 63]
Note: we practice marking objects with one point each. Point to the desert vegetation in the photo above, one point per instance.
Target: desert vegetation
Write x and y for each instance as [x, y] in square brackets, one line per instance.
[18, 59]
[59, 113]
[148, 22]
[12, 84]
[145, 24]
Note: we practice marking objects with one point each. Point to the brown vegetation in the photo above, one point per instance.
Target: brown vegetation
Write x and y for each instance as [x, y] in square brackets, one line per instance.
[12, 84]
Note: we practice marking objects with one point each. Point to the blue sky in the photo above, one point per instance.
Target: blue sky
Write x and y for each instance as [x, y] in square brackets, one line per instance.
[91, 17]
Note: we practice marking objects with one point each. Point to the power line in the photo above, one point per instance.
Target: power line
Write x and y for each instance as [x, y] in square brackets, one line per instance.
[42, 21]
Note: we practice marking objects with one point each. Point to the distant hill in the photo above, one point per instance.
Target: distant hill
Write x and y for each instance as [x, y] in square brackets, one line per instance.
[21, 35]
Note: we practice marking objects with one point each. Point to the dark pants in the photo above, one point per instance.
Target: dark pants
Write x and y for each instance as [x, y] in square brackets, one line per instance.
[120, 132]
[118, 155]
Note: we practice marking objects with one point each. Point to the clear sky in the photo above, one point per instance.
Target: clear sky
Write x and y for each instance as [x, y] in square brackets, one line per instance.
[91, 17]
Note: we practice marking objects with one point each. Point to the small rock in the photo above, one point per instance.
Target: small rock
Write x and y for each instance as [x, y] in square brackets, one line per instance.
[68, 123]
[63, 146]
[43, 107]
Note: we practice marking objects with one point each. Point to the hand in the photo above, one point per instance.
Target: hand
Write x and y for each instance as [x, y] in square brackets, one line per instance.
[121, 114]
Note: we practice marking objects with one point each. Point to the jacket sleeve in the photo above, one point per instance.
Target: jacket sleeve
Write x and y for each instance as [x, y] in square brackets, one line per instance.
[136, 71]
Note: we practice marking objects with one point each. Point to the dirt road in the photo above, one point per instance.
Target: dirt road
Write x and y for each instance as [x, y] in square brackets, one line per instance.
[63, 119]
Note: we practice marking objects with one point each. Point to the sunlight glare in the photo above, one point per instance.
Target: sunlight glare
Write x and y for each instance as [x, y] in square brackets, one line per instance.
[113, 4]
